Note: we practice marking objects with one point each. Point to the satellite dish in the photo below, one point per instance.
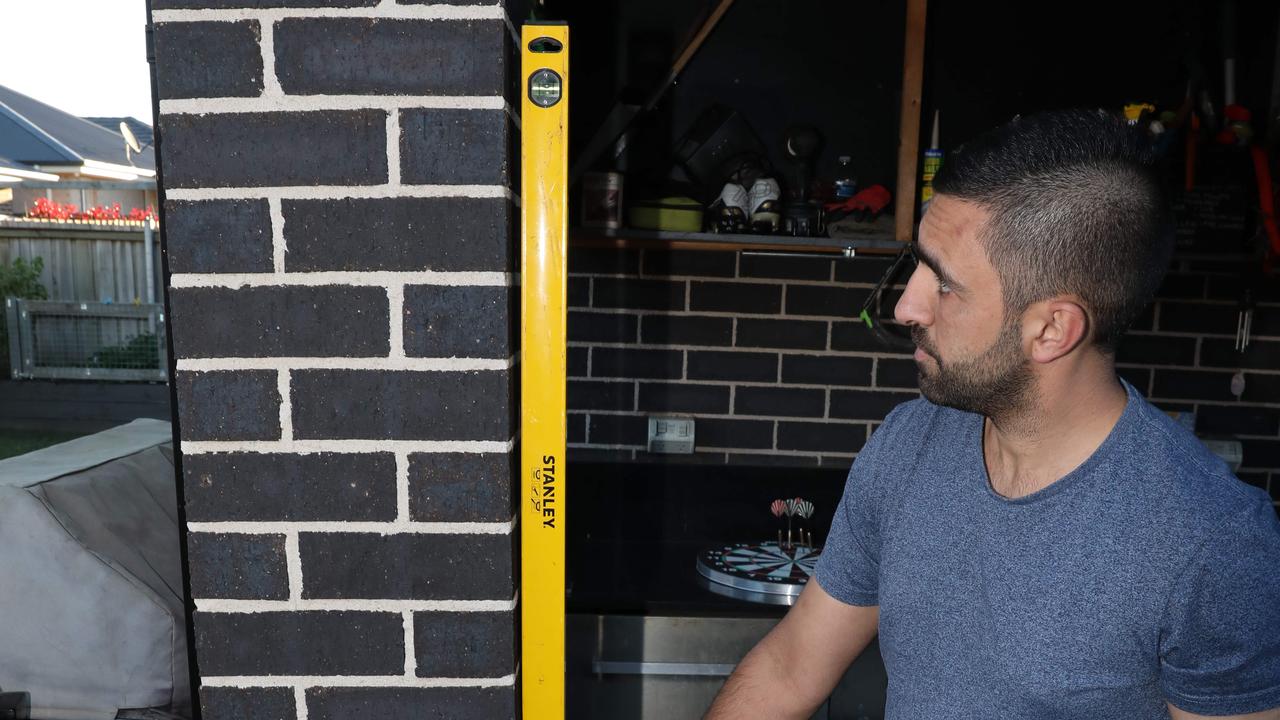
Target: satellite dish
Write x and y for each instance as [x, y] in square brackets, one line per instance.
[129, 138]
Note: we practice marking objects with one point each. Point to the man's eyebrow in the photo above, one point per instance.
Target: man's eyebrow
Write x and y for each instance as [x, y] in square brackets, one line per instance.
[931, 261]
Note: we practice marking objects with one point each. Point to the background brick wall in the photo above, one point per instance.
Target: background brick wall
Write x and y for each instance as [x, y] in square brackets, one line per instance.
[765, 352]
[338, 215]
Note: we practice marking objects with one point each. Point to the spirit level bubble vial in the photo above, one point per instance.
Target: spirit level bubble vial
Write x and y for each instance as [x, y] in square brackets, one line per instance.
[544, 118]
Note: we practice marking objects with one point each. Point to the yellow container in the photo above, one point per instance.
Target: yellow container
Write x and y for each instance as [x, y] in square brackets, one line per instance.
[673, 214]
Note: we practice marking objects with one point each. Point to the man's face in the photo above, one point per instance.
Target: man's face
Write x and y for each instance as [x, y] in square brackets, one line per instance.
[969, 355]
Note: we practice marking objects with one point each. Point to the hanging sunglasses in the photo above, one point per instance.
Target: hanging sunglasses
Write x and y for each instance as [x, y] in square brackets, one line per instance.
[871, 308]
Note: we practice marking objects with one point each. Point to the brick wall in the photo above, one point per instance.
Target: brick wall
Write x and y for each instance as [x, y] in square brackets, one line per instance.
[338, 216]
[765, 353]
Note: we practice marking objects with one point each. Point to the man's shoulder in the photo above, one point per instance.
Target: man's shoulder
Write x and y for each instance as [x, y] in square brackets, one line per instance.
[1178, 476]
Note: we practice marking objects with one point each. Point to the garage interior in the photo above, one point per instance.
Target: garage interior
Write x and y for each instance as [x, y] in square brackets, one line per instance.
[712, 373]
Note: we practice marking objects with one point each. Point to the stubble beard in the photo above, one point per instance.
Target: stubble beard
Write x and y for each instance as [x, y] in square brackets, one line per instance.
[996, 383]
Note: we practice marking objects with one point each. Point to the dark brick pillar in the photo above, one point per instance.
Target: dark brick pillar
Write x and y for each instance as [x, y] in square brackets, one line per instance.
[338, 223]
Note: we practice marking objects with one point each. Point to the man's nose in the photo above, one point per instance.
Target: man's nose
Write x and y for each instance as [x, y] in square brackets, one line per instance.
[915, 307]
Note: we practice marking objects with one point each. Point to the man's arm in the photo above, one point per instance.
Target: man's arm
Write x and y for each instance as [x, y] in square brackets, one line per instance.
[793, 669]
[1176, 714]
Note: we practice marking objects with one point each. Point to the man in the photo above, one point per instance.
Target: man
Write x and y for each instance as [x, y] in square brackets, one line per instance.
[1032, 539]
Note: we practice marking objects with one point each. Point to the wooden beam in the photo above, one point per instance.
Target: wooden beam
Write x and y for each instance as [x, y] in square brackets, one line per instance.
[909, 123]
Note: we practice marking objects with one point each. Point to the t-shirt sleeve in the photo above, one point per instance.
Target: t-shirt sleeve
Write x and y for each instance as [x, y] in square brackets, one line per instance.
[1220, 640]
[849, 567]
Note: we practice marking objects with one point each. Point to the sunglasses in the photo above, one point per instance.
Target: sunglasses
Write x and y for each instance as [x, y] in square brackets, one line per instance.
[873, 299]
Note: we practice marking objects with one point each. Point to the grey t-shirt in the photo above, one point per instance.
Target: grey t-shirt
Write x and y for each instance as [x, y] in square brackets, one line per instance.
[1147, 574]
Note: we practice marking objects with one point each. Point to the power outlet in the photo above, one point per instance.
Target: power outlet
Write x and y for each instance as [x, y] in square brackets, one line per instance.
[670, 435]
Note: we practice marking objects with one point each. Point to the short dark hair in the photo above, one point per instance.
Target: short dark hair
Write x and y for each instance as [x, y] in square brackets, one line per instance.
[1076, 209]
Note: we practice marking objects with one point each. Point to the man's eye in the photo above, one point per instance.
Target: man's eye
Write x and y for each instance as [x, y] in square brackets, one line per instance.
[943, 287]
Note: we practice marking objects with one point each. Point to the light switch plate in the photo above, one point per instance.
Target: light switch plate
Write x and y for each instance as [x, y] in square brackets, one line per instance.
[671, 435]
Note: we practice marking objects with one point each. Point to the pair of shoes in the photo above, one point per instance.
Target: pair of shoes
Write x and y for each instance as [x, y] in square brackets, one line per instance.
[737, 210]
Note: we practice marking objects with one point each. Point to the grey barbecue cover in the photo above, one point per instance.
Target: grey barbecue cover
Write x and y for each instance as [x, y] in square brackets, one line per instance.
[91, 601]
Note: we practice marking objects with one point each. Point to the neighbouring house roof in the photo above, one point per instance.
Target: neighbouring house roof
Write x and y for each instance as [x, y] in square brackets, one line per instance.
[34, 133]
[141, 130]
[12, 168]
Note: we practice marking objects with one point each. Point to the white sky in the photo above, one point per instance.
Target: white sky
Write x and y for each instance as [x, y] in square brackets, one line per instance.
[85, 57]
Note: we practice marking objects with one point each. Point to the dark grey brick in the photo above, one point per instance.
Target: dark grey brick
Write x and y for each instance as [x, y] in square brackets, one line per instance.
[405, 234]
[600, 455]
[865, 270]
[602, 327]
[746, 366]
[1198, 318]
[684, 398]
[727, 433]
[196, 4]
[406, 567]
[1140, 378]
[779, 402]
[461, 487]
[1237, 420]
[289, 321]
[208, 59]
[686, 330]
[1157, 350]
[330, 147]
[866, 404]
[214, 236]
[636, 363]
[464, 644]
[772, 460]
[1182, 286]
[824, 300]
[897, 373]
[576, 361]
[402, 405]
[455, 147]
[262, 703]
[1145, 321]
[276, 486]
[638, 294]
[826, 370]
[576, 428]
[1193, 385]
[799, 334]
[368, 56]
[618, 429]
[1260, 355]
[784, 267]
[237, 566]
[578, 292]
[697, 263]
[300, 643]
[746, 298]
[458, 321]
[821, 437]
[228, 405]
[460, 703]
[593, 395]
[856, 336]
[603, 261]
[1260, 453]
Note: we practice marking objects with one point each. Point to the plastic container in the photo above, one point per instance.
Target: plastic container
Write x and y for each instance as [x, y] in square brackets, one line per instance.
[846, 183]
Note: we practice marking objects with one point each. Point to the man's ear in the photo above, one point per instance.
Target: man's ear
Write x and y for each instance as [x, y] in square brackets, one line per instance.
[1055, 328]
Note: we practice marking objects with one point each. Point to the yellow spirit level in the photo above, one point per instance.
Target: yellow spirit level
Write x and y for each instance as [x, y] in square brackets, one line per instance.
[544, 156]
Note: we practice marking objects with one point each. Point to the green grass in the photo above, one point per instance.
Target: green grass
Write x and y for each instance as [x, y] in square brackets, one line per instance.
[18, 442]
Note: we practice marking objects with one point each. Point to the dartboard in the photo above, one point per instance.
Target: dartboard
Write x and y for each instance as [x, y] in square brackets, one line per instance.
[776, 571]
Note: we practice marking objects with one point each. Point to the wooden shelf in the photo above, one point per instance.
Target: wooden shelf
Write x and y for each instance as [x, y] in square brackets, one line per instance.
[878, 240]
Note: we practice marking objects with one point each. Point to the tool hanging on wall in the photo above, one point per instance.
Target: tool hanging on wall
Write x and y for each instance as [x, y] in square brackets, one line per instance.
[544, 271]
[623, 114]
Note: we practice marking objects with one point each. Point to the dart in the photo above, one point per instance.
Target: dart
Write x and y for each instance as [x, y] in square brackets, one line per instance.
[777, 508]
[804, 508]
